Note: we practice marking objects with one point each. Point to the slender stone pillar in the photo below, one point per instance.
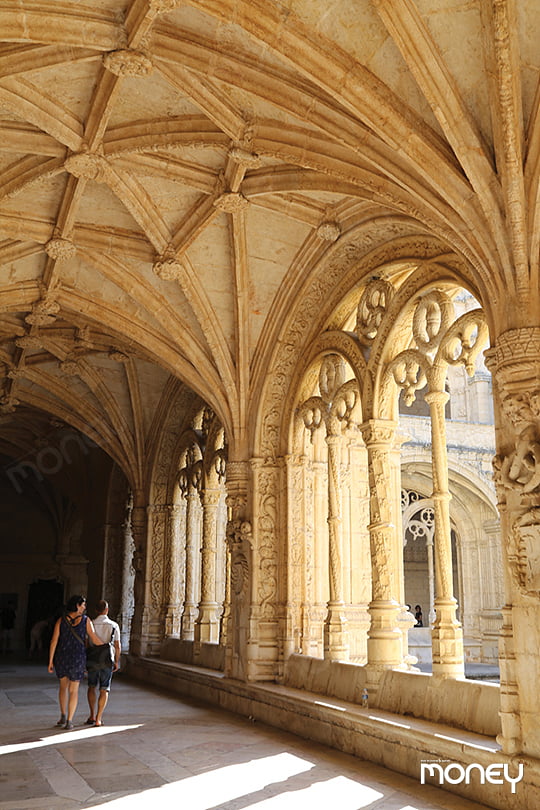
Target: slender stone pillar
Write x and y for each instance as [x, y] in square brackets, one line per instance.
[127, 600]
[431, 578]
[207, 623]
[447, 633]
[191, 551]
[176, 518]
[333, 409]
[385, 638]
[336, 646]
[239, 545]
[139, 532]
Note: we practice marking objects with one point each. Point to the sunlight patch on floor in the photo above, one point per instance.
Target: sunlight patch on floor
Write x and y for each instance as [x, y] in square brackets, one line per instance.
[65, 736]
[211, 789]
[339, 792]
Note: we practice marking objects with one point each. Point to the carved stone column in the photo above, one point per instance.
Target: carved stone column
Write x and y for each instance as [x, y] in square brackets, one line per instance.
[514, 363]
[333, 409]
[113, 549]
[336, 646]
[447, 633]
[225, 618]
[296, 619]
[431, 578]
[207, 624]
[173, 609]
[127, 601]
[239, 546]
[191, 551]
[154, 611]
[385, 639]
[139, 532]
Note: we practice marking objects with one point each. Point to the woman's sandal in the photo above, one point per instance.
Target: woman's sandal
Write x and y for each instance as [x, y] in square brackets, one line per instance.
[62, 721]
[89, 722]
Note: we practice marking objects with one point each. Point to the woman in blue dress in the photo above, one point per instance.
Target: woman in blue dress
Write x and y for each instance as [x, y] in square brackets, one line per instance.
[67, 655]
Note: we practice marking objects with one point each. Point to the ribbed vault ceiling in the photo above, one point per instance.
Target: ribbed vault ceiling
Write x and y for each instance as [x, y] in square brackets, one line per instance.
[170, 171]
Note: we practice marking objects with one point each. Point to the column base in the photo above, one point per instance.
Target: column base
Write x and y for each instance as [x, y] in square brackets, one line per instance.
[447, 641]
[172, 621]
[189, 618]
[207, 624]
[336, 638]
[385, 636]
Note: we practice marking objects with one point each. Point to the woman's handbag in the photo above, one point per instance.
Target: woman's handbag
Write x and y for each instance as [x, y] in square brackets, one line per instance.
[100, 656]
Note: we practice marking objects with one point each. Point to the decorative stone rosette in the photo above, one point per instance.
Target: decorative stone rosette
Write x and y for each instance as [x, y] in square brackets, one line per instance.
[128, 62]
[87, 165]
[60, 249]
[329, 231]
[231, 202]
[44, 312]
[168, 268]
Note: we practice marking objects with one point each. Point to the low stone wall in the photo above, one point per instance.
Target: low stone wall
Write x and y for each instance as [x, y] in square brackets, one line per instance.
[210, 656]
[472, 705]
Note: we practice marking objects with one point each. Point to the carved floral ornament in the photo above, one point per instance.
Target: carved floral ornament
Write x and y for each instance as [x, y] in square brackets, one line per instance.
[70, 367]
[8, 404]
[60, 249]
[250, 160]
[168, 267]
[519, 470]
[87, 165]
[118, 356]
[44, 312]
[163, 6]
[329, 231]
[524, 556]
[515, 363]
[128, 62]
[231, 202]
[338, 397]
[29, 342]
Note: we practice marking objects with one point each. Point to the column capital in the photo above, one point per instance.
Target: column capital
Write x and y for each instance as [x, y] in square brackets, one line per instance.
[514, 360]
[437, 397]
[378, 431]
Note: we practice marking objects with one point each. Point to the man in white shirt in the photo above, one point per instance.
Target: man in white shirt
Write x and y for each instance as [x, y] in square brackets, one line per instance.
[108, 631]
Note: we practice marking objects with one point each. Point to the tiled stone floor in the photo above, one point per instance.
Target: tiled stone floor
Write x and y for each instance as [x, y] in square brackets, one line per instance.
[159, 752]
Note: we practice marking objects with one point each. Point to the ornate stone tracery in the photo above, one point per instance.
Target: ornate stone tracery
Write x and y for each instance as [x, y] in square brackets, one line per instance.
[437, 342]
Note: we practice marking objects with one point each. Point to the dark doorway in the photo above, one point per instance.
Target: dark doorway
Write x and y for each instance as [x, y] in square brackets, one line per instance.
[45, 601]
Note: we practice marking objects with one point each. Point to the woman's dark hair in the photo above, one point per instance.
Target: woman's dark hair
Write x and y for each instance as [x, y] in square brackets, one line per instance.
[73, 603]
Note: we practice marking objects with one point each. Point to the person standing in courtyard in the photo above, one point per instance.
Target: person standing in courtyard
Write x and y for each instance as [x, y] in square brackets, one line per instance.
[67, 655]
[109, 633]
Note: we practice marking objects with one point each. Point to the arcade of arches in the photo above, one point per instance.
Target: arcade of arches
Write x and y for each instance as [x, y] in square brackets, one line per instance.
[269, 346]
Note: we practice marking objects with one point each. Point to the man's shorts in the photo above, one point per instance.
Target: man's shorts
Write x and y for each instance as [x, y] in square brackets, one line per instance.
[101, 678]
